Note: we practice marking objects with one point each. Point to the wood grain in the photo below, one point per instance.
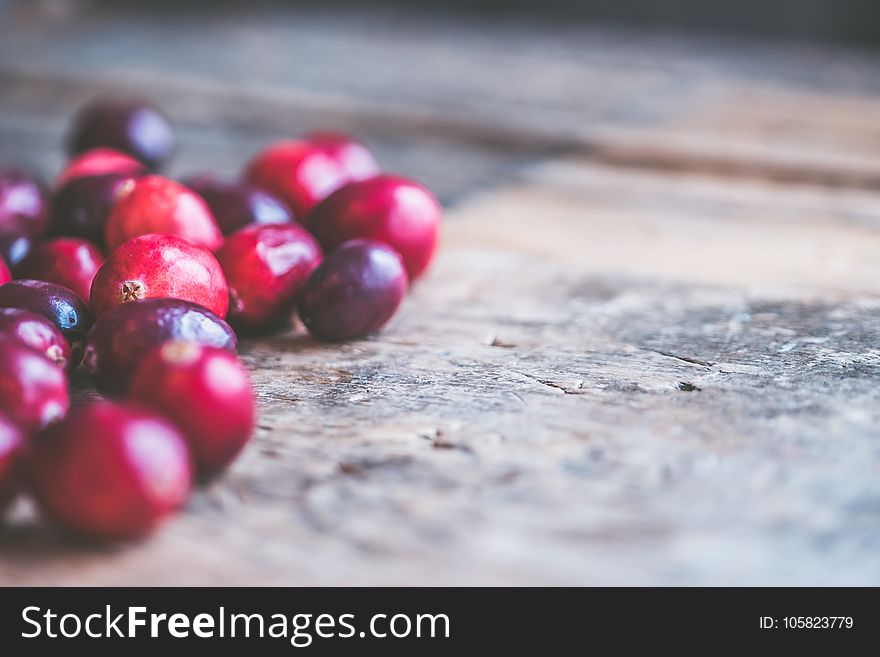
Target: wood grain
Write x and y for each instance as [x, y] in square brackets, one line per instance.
[737, 106]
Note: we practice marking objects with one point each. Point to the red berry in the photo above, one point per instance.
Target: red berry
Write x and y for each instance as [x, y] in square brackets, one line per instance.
[353, 156]
[237, 204]
[81, 206]
[160, 266]
[266, 268]
[160, 205]
[36, 332]
[355, 291]
[33, 390]
[67, 261]
[128, 332]
[5, 276]
[11, 440]
[128, 125]
[99, 162]
[206, 392]
[394, 210]
[110, 471]
[302, 173]
[57, 304]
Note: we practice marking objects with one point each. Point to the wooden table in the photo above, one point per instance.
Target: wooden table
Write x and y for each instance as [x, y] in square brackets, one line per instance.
[647, 354]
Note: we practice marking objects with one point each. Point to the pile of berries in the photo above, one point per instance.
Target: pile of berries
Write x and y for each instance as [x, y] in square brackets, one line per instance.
[136, 275]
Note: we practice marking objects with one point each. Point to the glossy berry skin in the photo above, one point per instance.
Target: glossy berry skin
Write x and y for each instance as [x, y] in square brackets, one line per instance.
[127, 125]
[81, 206]
[236, 204]
[100, 162]
[354, 292]
[391, 209]
[160, 266]
[266, 268]
[302, 173]
[110, 471]
[124, 335]
[33, 389]
[36, 332]
[11, 442]
[160, 205]
[5, 276]
[59, 305]
[67, 261]
[206, 392]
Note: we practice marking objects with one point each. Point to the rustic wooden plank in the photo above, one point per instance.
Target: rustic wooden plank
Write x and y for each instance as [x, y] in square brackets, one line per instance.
[683, 226]
[731, 105]
[532, 418]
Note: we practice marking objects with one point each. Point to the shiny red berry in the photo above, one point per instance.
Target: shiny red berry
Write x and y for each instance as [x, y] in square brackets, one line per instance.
[100, 162]
[5, 276]
[391, 209]
[68, 261]
[237, 204]
[33, 389]
[355, 158]
[354, 291]
[160, 266]
[36, 332]
[125, 334]
[160, 205]
[206, 392]
[110, 471]
[125, 124]
[266, 268]
[302, 172]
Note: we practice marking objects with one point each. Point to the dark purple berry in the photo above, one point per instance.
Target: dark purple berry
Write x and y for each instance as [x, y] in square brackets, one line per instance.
[126, 333]
[81, 206]
[24, 204]
[128, 125]
[24, 214]
[15, 247]
[237, 204]
[354, 291]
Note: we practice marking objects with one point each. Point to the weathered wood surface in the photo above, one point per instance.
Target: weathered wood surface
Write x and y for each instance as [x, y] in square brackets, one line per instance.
[624, 368]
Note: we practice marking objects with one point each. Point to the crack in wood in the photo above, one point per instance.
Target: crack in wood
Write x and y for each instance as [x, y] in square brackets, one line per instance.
[684, 359]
